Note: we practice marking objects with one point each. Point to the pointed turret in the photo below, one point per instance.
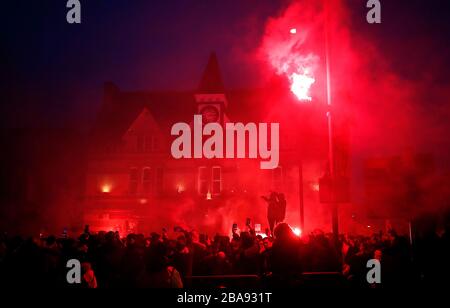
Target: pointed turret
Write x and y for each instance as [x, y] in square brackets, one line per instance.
[211, 82]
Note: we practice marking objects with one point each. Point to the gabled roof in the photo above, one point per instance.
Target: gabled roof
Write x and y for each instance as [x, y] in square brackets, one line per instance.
[121, 110]
[167, 108]
[274, 104]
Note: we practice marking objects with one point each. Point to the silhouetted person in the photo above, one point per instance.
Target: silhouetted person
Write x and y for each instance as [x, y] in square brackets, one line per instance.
[158, 273]
[281, 208]
[285, 256]
[132, 261]
[272, 203]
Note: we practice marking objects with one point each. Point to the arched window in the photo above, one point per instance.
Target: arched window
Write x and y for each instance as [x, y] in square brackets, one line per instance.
[134, 180]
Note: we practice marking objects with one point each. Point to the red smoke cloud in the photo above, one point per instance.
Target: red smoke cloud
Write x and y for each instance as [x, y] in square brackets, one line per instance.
[386, 109]
[388, 114]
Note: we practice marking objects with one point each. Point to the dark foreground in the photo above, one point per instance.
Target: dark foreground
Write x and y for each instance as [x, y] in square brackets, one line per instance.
[244, 260]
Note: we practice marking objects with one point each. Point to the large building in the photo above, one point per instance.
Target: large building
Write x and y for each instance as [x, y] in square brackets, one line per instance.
[134, 184]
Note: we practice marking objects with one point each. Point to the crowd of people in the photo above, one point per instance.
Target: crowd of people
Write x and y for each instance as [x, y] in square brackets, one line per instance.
[281, 259]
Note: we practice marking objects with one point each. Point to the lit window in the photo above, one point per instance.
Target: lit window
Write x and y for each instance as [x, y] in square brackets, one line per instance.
[106, 188]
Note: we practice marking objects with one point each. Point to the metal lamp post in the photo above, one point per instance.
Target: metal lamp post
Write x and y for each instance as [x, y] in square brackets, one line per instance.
[334, 205]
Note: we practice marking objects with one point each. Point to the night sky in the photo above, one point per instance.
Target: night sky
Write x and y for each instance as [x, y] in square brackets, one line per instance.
[52, 72]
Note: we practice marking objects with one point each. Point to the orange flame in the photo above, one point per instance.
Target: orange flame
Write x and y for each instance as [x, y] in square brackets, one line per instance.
[289, 59]
[288, 43]
[300, 85]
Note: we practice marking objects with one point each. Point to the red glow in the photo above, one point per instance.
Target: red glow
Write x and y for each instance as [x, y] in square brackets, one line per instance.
[297, 231]
[262, 234]
[143, 201]
[106, 188]
[315, 186]
[180, 188]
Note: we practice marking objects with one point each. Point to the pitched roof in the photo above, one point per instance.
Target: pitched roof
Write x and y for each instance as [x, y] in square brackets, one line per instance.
[116, 115]
[269, 104]
[167, 108]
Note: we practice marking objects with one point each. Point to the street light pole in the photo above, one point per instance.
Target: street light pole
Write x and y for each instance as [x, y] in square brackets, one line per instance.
[334, 205]
[300, 195]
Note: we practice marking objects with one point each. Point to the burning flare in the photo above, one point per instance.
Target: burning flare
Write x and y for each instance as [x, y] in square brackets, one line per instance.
[288, 48]
[300, 85]
[297, 231]
[289, 61]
